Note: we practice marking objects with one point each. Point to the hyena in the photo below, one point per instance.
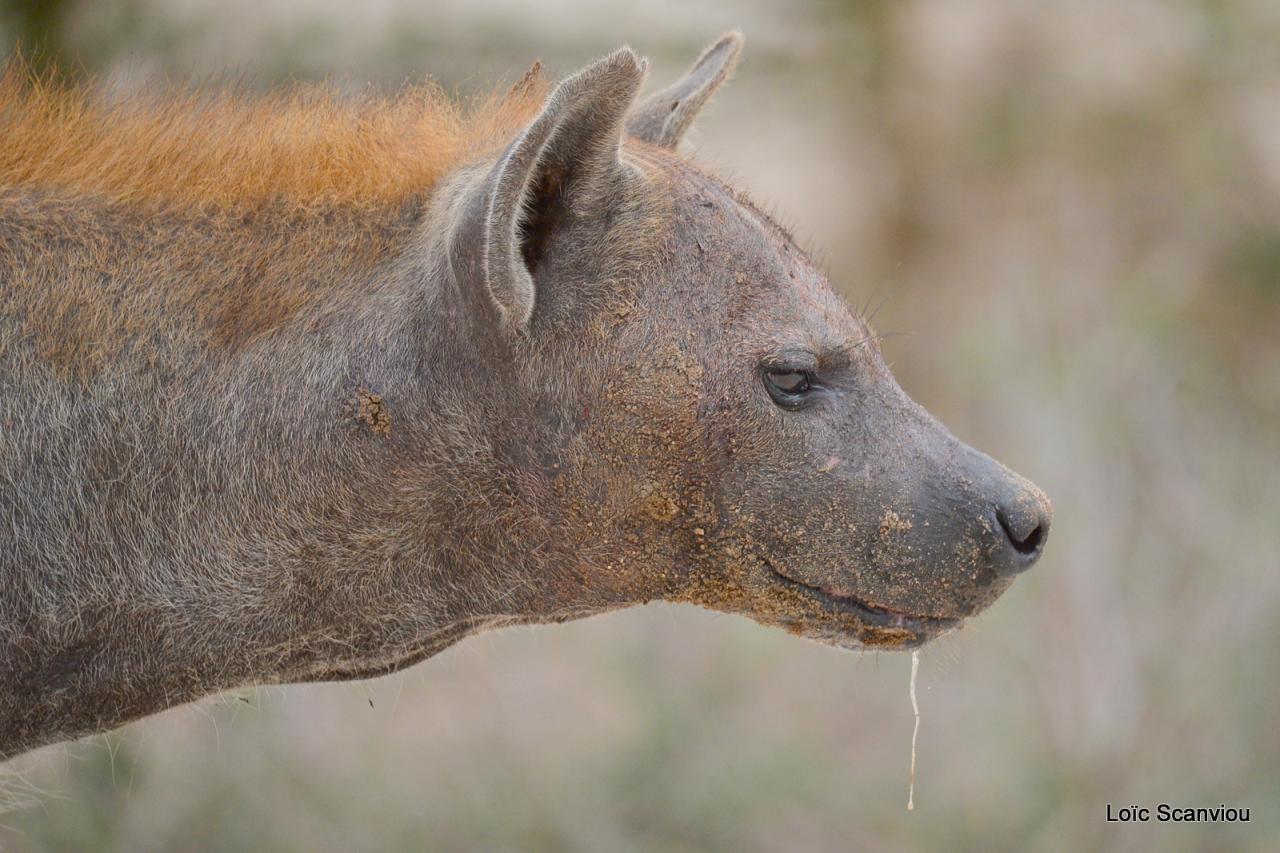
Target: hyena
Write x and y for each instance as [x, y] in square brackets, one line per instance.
[298, 388]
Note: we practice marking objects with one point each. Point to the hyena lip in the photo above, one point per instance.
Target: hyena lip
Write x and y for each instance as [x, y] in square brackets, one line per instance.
[874, 615]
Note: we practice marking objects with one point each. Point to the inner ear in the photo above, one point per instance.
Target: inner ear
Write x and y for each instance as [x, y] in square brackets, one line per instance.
[546, 207]
[562, 163]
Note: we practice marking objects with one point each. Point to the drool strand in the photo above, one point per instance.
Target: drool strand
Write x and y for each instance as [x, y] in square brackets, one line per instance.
[915, 709]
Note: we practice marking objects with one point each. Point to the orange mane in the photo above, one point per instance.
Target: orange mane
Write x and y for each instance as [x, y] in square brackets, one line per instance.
[307, 145]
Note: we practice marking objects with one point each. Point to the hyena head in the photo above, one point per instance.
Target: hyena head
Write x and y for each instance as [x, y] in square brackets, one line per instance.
[694, 414]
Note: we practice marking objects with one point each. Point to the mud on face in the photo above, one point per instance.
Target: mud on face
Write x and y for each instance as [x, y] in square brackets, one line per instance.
[762, 460]
[724, 428]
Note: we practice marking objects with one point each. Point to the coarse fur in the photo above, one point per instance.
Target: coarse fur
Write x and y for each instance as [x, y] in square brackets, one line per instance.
[299, 193]
[319, 419]
[308, 145]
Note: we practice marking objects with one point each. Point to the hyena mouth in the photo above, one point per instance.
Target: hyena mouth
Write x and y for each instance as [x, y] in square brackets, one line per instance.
[879, 620]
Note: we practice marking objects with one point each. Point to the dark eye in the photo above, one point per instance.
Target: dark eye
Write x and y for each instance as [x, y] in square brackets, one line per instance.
[786, 387]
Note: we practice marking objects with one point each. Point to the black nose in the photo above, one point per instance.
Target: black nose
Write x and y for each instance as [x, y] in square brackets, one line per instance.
[1025, 522]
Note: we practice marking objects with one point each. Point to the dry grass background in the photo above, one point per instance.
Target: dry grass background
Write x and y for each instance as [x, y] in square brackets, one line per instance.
[1072, 211]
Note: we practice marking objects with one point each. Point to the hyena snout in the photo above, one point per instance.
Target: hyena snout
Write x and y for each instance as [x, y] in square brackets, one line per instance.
[1019, 518]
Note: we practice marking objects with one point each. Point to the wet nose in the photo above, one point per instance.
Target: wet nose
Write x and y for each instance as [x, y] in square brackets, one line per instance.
[1023, 518]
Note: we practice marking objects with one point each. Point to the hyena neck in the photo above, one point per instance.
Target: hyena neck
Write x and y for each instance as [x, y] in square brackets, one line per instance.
[237, 511]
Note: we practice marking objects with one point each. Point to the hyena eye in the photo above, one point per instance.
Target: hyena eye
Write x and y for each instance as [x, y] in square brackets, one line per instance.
[788, 387]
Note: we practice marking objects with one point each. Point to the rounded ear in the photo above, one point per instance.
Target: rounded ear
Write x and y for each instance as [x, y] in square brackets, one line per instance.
[664, 117]
[565, 157]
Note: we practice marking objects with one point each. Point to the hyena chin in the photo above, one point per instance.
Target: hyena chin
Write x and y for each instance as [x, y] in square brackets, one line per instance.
[287, 399]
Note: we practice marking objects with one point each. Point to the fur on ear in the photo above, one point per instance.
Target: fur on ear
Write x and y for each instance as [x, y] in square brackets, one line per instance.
[572, 145]
[664, 116]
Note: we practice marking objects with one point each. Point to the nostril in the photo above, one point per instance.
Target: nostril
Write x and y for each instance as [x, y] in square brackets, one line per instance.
[1024, 542]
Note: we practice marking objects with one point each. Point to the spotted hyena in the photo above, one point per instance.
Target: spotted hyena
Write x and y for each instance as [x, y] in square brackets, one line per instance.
[297, 388]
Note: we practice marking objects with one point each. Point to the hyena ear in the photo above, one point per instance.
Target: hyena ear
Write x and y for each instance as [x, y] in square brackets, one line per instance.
[564, 159]
[664, 117]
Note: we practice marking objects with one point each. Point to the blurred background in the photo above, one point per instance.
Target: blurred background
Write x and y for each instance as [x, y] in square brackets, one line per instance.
[1071, 214]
